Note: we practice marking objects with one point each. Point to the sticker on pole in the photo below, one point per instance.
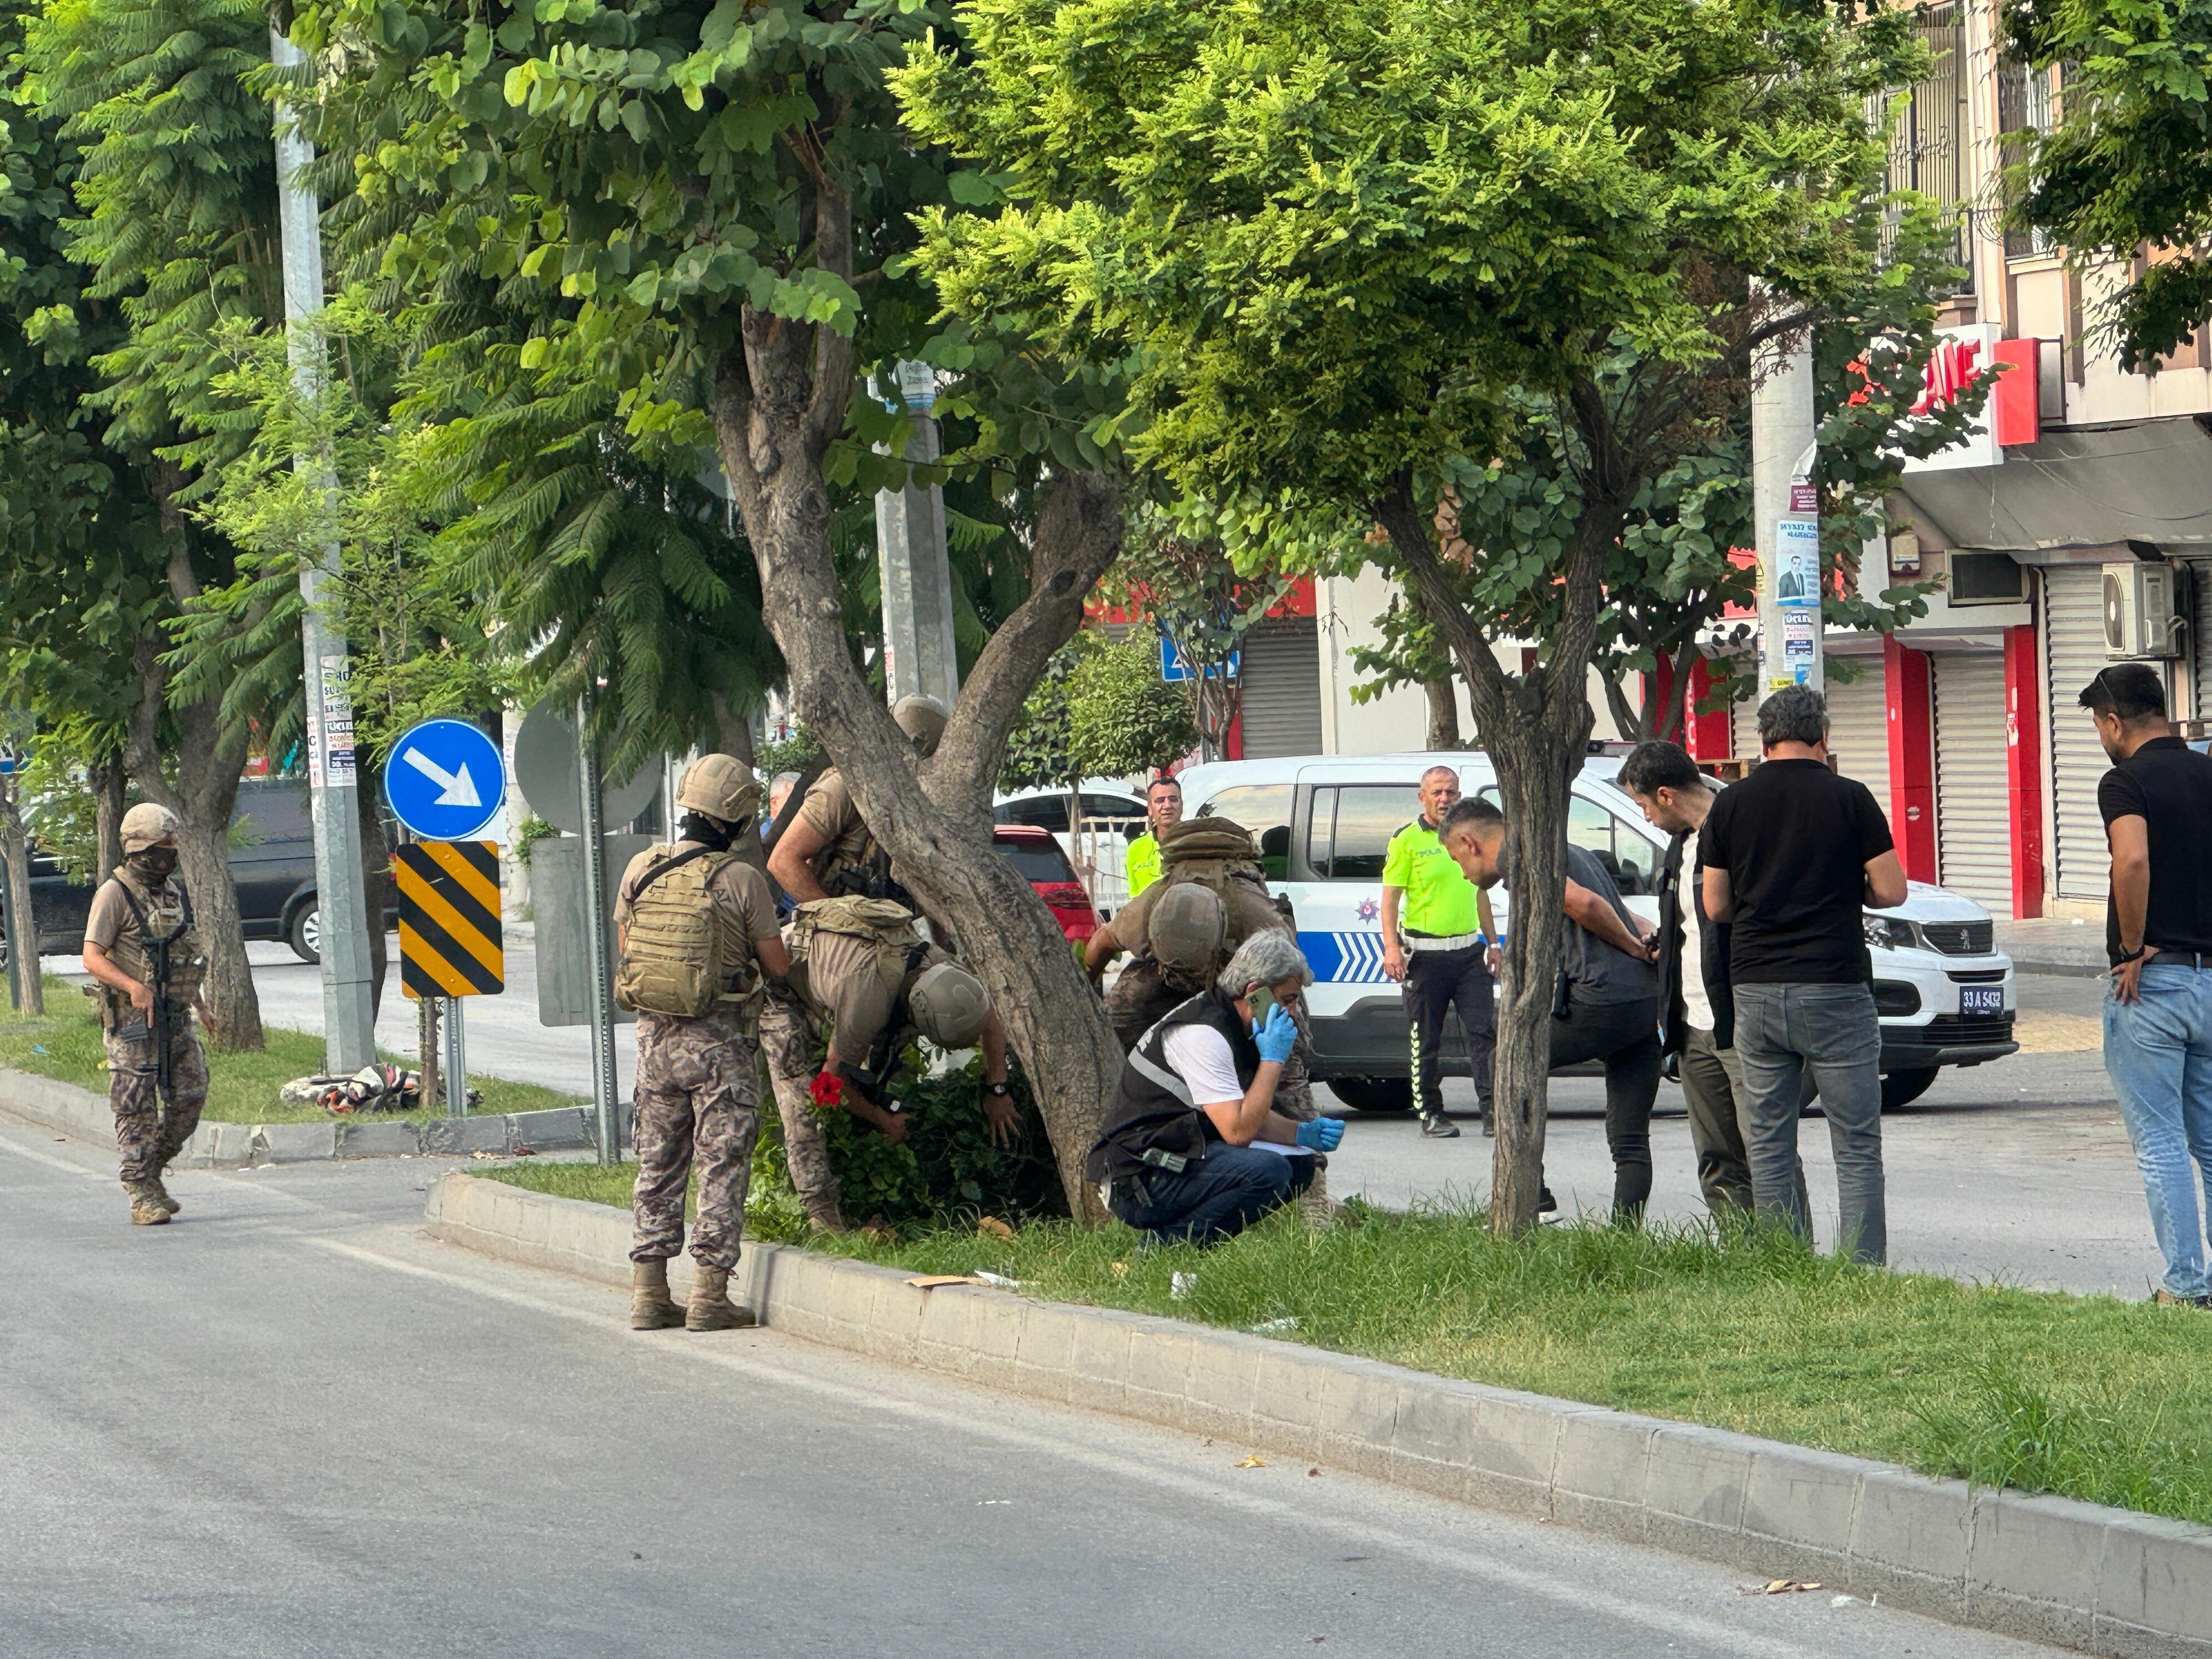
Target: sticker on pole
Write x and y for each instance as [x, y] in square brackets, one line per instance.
[450, 943]
[446, 781]
[1796, 561]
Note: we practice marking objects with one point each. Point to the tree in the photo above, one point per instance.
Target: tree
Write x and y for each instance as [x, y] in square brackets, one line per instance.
[1122, 717]
[2129, 168]
[721, 196]
[1340, 244]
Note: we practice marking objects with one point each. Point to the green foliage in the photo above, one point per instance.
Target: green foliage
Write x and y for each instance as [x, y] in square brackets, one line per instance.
[1040, 748]
[2130, 163]
[948, 1167]
[532, 831]
[1122, 717]
[792, 754]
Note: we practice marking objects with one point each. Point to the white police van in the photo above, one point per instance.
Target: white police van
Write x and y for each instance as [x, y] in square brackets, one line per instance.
[1944, 991]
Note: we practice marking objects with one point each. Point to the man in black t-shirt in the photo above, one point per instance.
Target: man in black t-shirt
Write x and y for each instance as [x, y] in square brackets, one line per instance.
[1792, 856]
[2156, 802]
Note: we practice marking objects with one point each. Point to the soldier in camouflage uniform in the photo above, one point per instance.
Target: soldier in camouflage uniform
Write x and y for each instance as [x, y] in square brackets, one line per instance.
[827, 851]
[139, 903]
[698, 1079]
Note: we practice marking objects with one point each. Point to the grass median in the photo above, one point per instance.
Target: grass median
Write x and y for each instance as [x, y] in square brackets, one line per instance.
[242, 1088]
[2088, 1397]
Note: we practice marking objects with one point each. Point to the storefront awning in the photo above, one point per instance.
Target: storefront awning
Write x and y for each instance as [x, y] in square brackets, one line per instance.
[2076, 495]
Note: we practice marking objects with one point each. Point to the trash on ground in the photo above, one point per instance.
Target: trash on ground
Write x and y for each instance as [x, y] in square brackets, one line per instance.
[993, 1227]
[1253, 1461]
[931, 1281]
[1180, 1286]
[1779, 1587]
[1000, 1280]
[1274, 1326]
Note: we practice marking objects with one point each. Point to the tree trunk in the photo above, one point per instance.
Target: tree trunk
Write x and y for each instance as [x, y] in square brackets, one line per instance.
[375, 882]
[1443, 712]
[24, 930]
[781, 398]
[1535, 726]
[202, 795]
[733, 735]
[107, 778]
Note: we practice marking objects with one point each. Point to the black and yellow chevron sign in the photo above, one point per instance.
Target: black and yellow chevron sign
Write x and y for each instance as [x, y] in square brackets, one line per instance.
[449, 935]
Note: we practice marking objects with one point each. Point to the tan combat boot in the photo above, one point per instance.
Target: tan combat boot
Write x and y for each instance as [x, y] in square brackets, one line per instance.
[147, 1209]
[1316, 1207]
[711, 1308]
[162, 1196]
[650, 1307]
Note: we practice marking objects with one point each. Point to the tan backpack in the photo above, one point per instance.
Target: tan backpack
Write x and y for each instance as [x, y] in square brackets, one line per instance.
[1214, 853]
[679, 958]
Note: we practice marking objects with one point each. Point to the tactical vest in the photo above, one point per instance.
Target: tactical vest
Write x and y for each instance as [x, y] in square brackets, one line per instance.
[1153, 1122]
[165, 917]
[681, 957]
[898, 940]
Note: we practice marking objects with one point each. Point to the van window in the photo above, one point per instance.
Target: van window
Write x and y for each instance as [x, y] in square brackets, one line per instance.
[1348, 829]
[1629, 856]
[1045, 812]
[1265, 809]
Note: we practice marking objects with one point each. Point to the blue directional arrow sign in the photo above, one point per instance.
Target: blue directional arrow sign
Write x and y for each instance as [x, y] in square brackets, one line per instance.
[446, 781]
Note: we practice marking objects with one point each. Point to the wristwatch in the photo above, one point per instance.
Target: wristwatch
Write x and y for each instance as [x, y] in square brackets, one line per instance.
[995, 1089]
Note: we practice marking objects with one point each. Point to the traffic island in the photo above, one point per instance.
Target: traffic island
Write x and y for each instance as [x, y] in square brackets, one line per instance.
[2048, 1568]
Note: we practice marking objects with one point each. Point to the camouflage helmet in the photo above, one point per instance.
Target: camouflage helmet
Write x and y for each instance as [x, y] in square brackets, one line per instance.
[1186, 929]
[923, 718]
[720, 788]
[948, 1004]
[146, 825]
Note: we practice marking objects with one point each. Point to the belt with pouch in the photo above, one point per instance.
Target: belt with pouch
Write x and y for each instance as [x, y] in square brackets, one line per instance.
[1448, 942]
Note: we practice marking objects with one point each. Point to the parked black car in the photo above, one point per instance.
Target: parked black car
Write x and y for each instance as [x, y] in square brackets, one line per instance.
[275, 869]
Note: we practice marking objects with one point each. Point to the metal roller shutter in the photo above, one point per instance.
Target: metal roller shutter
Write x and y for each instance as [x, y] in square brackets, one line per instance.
[1281, 699]
[1973, 798]
[1743, 724]
[2200, 645]
[2074, 635]
[1858, 729]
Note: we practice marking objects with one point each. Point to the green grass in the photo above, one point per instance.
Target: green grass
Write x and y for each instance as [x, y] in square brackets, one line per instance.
[242, 1088]
[2088, 1397]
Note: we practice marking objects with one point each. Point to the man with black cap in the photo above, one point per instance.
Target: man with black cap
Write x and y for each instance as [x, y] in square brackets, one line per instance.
[141, 947]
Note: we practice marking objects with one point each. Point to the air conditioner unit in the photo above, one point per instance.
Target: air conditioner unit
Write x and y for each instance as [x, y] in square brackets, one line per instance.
[2139, 616]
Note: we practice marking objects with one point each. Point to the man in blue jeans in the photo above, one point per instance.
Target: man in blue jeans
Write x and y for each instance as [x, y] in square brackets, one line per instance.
[2156, 802]
[1193, 1150]
[1792, 856]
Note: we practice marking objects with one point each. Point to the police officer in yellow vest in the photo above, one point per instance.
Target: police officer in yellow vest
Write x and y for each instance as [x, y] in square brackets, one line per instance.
[698, 930]
[1447, 958]
[1163, 807]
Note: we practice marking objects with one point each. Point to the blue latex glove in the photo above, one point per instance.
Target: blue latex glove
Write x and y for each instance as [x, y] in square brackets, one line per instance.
[1321, 1133]
[1278, 1036]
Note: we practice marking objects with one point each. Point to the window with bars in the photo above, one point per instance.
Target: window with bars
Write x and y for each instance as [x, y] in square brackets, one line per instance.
[2024, 105]
[1927, 145]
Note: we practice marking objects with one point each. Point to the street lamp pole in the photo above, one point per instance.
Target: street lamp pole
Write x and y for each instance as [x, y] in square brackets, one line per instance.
[349, 1024]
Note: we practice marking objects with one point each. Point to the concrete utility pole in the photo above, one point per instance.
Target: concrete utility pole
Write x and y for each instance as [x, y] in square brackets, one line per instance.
[606, 1105]
[919, 655]
[1786, 511]
[349, 1027]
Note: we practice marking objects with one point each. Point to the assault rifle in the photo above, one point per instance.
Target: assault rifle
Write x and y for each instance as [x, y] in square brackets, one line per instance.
[159, 971]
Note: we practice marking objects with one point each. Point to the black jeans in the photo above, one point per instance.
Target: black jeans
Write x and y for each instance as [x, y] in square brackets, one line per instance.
[1217, 1197]
[1626, 1036]
[1436, 982]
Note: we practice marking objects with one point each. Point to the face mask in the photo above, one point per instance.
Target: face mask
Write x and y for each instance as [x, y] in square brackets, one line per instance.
[153, 864]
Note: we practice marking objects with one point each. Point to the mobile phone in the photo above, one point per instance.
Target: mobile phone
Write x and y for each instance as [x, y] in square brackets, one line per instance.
[1262, 1000]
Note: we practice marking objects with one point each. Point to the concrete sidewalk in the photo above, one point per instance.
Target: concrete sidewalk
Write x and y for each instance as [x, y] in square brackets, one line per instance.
[2054, 944]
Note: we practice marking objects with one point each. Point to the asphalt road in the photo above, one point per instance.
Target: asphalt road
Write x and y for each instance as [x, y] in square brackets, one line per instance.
[289, 1424]
[2017, 1170]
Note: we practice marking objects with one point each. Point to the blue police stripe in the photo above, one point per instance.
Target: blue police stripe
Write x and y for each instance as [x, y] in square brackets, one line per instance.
[1345, 958]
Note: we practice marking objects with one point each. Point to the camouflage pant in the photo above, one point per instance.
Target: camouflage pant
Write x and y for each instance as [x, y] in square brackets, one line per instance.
[698, 1102]
[793, 1062]
[1141, 998]
[147, 1135]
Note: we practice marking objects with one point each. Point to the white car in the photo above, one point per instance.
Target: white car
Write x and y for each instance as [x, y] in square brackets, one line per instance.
[1944, 991]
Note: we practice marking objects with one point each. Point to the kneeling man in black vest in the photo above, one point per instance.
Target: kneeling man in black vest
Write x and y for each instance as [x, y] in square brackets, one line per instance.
[1194, 1151]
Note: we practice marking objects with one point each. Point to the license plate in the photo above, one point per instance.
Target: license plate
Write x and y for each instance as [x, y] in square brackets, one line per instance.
[1981, 999]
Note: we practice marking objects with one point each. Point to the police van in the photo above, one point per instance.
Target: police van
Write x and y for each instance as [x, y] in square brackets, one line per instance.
[1945, 993]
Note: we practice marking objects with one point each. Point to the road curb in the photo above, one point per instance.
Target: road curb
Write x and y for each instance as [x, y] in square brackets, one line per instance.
[65, 1106]
[2048, 1569]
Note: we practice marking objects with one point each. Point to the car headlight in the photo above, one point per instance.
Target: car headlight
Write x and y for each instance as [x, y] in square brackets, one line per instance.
[1889, 934]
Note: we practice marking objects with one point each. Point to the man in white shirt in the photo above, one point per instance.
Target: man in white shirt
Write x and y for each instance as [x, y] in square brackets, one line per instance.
[1192, 1150]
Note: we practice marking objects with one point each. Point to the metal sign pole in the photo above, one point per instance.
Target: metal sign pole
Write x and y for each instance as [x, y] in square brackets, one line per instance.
[595, 930]
[457, 1077]
[343, 922]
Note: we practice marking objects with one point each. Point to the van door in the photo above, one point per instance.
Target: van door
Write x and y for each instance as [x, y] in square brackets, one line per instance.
[1338, 843]
[1622, 844]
